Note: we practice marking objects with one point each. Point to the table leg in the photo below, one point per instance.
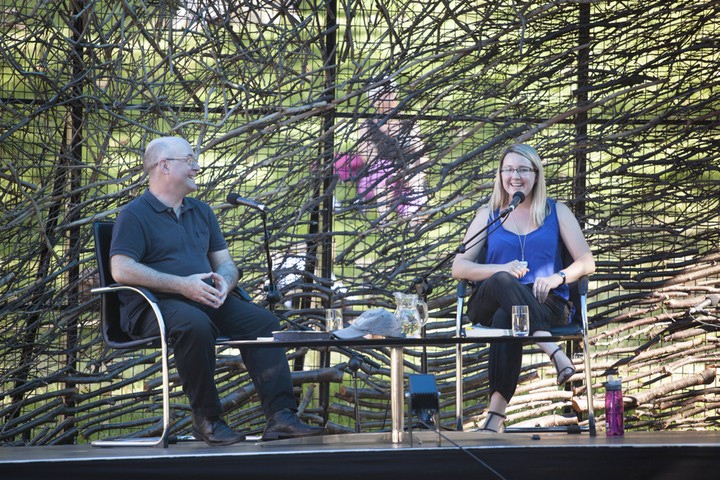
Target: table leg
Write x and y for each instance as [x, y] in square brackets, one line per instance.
[397, 390]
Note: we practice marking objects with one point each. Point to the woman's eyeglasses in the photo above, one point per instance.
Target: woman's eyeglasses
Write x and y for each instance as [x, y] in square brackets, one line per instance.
[522, 171]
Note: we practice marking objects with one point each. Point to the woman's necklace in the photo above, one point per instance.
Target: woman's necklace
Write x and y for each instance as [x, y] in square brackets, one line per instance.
[522, 239]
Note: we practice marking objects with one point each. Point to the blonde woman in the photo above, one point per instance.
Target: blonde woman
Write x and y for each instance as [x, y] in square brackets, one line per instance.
[522, 266]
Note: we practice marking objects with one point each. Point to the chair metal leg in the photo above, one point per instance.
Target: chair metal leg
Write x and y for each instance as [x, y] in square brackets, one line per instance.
[588, 366]
[459, 391]
[164, 439]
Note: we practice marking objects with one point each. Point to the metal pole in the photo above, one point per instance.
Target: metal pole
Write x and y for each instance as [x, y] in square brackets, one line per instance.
[397, 404]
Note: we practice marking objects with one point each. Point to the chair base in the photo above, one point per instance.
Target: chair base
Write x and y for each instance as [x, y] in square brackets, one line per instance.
[569, 429]
[161, 442]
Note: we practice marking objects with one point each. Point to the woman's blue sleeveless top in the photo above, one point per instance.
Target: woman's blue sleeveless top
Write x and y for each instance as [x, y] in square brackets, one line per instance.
[542, 249]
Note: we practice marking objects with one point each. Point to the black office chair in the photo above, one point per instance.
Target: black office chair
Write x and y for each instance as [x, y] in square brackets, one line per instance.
[575, 331]
[115, 337]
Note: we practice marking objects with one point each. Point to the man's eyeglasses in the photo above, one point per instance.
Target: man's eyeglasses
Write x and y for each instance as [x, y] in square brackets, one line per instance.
[522, 171]
[190, 159]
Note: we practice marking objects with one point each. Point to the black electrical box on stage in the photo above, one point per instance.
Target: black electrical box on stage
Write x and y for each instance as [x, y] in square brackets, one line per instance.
[424, 395]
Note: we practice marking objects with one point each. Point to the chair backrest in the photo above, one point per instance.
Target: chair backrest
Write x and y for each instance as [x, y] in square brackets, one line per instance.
[575, 288]
[102, 232]
[112, 333]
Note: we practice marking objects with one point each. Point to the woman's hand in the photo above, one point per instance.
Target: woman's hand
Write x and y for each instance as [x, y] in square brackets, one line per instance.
[543, 285]
[517, 269]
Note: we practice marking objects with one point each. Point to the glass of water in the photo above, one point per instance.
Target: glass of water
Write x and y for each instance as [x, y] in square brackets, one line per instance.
[333, 319]
[520, 320]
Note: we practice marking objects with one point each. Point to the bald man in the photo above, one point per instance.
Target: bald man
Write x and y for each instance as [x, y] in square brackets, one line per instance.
[172, 245]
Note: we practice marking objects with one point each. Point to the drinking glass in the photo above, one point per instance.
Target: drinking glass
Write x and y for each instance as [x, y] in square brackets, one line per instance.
[520, 320]
[333, 319]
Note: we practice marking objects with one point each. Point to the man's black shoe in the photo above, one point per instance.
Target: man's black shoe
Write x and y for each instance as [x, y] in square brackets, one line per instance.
[285, 424]
[214, 431]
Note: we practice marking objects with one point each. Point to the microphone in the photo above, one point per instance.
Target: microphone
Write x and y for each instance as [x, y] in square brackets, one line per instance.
[235, 199]
[517, 199]
[710, 301]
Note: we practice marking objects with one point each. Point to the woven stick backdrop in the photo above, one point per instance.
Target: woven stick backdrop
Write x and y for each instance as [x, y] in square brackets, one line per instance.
[620, 98]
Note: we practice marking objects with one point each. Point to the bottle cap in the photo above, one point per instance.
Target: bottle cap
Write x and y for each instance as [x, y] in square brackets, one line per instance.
[613, 385]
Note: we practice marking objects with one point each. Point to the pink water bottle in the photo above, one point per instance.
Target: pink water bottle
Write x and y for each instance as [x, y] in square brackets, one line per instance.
[614, 423]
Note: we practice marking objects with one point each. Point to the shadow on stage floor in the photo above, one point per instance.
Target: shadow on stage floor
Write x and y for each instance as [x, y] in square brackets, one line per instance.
[372, 456]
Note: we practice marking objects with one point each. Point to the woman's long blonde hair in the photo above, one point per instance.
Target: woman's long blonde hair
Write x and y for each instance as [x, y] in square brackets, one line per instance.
[500, 198]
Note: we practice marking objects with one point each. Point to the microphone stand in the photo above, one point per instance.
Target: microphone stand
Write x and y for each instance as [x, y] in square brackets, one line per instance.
[424, 288]
[273, 295]
[421, 284]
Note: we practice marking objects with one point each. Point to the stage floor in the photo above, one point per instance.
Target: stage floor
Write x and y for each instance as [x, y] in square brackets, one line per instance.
[372, 456]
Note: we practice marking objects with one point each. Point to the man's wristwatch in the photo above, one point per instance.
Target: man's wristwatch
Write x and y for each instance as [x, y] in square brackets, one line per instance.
[562, 275]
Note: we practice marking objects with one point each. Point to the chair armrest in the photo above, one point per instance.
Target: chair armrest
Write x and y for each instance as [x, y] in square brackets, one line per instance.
[113, 334]
[241, 293]
[583, 285]
[569, 330]
[150, 297]
[117, 287]
[462, 288]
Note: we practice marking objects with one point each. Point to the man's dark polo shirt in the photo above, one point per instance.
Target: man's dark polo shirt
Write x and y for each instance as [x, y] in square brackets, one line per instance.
[148, 231]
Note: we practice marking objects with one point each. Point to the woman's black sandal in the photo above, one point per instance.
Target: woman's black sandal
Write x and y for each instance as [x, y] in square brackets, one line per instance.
[492, 414]
[566, 373]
